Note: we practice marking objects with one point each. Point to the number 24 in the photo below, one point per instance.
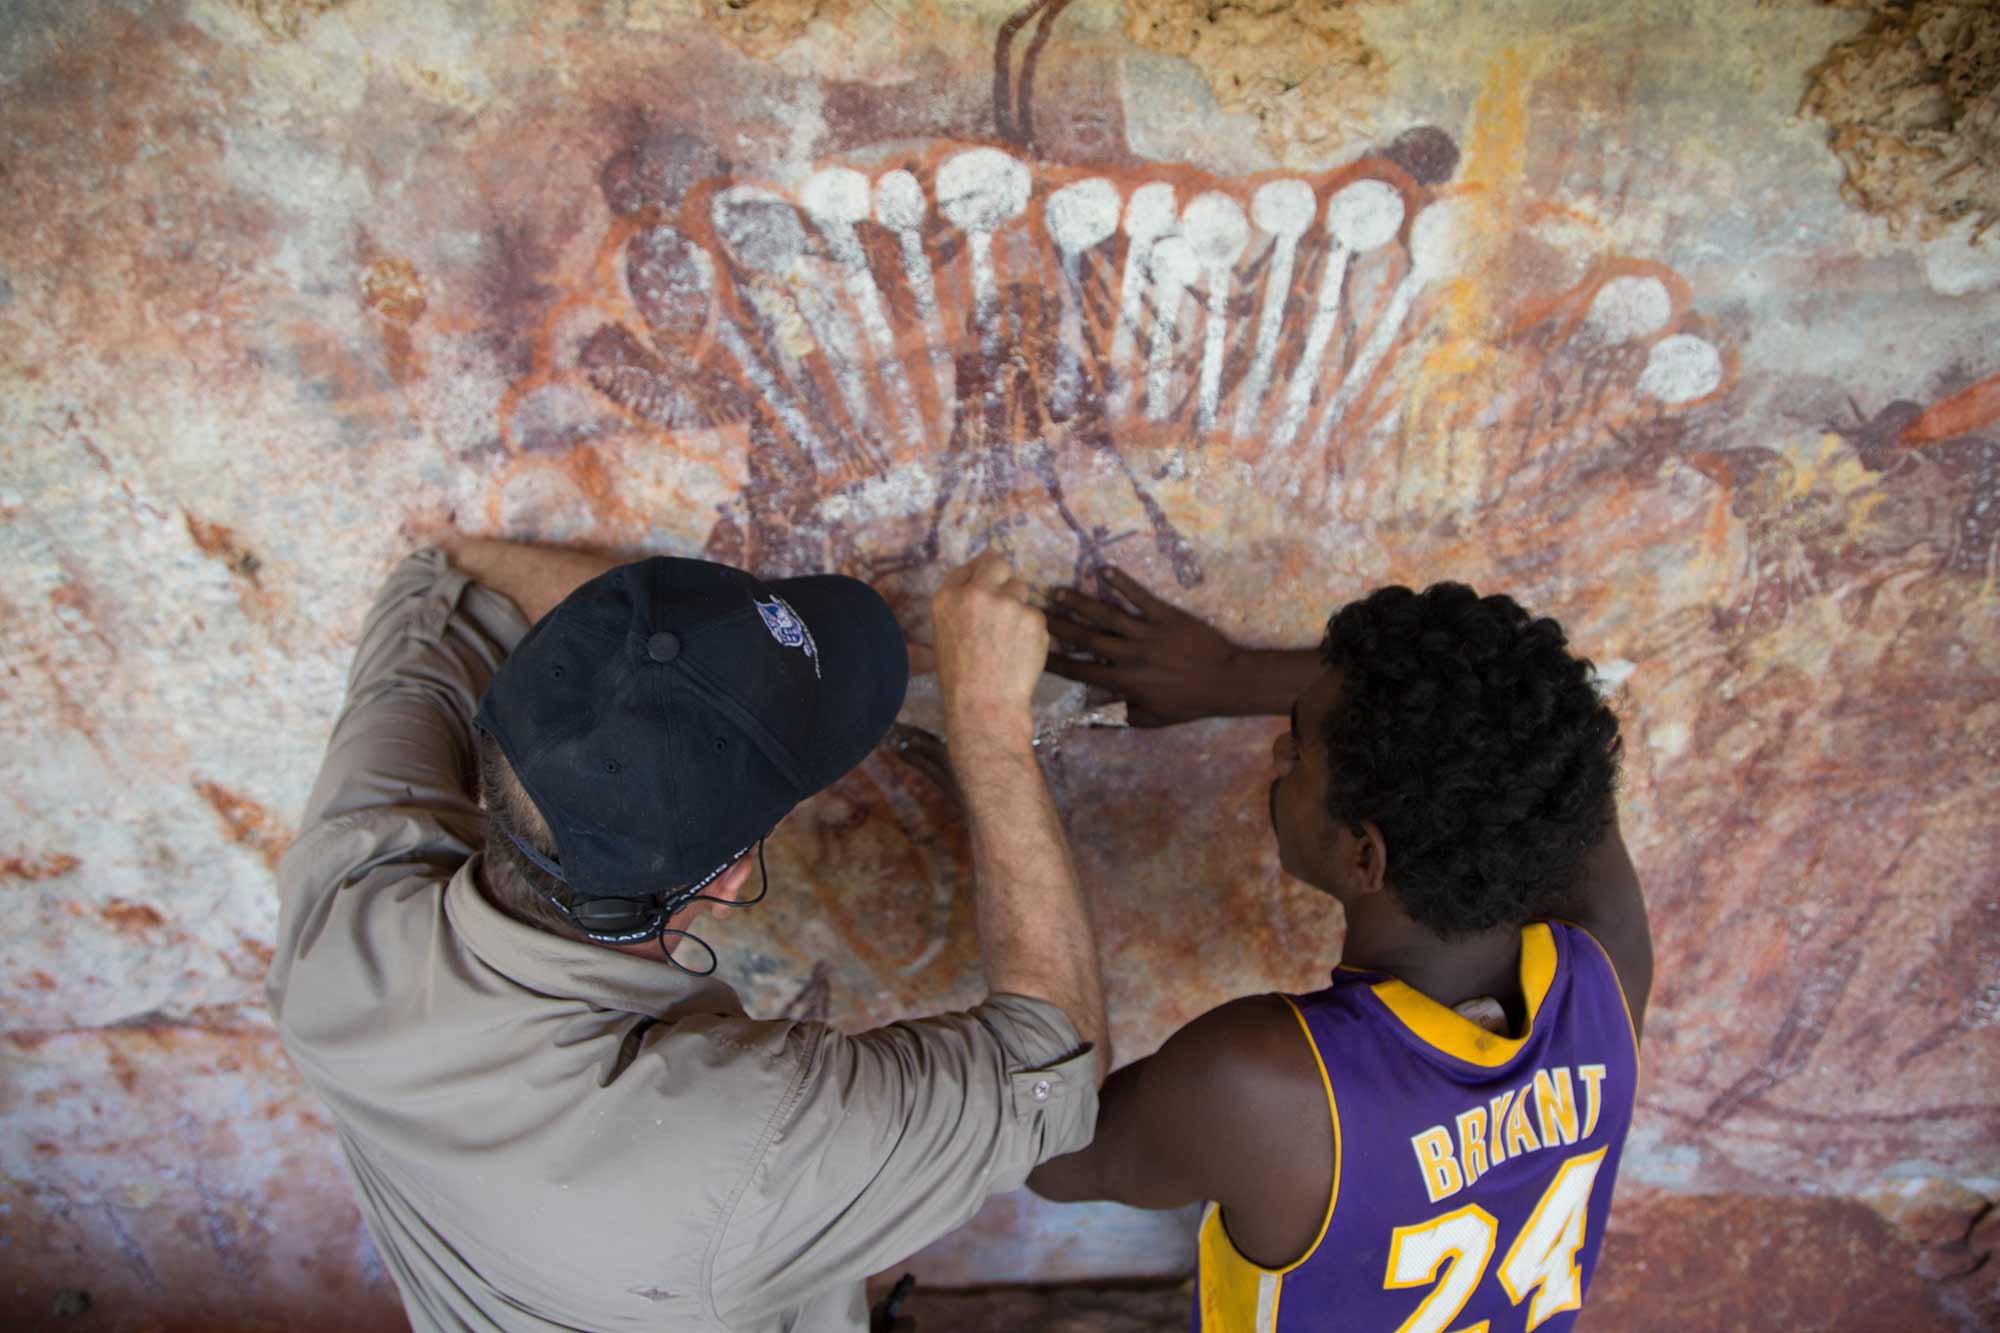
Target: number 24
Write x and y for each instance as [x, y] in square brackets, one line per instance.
[1542, 1258]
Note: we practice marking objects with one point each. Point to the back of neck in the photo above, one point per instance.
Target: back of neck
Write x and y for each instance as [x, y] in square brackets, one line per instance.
[1447, 970]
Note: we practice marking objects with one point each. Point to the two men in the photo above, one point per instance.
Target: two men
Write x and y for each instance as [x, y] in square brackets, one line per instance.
[555, 1122]
[554, 1117]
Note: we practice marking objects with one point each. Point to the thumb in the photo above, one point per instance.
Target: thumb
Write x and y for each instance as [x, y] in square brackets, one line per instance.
[991, 570]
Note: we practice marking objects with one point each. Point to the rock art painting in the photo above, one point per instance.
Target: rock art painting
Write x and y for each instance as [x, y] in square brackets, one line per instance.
[920, 359]
[1574, 305]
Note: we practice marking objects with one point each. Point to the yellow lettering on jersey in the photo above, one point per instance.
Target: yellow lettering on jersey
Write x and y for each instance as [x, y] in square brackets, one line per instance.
[1520, 1130]
[1555, 1105]
[1472, 1143]
[1593, 1078]
[1442, 1178]
[1499, 1119]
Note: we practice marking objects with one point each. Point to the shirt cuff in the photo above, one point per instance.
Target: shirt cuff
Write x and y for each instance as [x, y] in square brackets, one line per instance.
[1051, 1071]
[447, 590]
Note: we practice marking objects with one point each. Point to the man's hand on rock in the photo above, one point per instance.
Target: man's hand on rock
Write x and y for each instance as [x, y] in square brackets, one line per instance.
[990, 647]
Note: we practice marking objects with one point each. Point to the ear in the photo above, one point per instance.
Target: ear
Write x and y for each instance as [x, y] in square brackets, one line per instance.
[735, 880]
[728, 886]
[1370, 858]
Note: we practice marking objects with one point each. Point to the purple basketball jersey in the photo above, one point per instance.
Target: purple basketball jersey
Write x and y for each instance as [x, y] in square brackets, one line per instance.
[1474, 1171]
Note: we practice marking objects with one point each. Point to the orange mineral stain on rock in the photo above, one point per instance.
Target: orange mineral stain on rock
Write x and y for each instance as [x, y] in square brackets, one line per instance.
[222, 544]
[394, 290]
[32, 868]
[130, 918]
[252, 959]
[70, 597]
[122, 1068]
[247, 823]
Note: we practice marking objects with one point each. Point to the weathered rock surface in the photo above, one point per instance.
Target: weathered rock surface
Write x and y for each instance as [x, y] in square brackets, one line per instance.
[1582, 315]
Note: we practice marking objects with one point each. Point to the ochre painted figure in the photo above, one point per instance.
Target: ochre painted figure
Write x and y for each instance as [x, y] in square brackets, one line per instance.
[1371, 1158]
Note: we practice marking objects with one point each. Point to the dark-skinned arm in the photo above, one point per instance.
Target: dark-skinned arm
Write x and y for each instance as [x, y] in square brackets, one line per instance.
[1167, 665]
[1209, 1117]
[1609, 903]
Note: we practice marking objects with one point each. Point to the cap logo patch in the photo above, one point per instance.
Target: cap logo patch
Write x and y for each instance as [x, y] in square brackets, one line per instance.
[788, 629]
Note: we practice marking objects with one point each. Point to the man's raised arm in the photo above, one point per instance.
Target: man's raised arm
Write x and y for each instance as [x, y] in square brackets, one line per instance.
[1034, 923]
[534, 578]
[905, 1129]
[1609, 903]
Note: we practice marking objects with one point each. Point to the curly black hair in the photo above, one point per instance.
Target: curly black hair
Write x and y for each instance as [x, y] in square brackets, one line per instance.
[1477, 743]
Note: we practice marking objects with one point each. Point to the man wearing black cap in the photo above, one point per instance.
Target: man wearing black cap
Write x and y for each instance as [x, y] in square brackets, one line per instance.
[556, 1119]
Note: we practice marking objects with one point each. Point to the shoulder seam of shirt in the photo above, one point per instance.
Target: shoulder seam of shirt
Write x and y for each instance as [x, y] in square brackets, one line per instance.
[728, 1214]
[327, 829]
[365, 814]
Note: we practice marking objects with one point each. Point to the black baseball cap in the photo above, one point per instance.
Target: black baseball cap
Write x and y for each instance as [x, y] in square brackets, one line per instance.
[668, 713]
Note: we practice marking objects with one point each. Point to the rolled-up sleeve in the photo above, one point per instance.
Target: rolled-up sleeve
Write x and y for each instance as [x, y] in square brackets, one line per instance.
[893, 1138]
[398, 784]
[429, 647]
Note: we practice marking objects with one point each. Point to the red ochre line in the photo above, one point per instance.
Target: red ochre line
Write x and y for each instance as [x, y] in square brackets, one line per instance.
[1961, 414]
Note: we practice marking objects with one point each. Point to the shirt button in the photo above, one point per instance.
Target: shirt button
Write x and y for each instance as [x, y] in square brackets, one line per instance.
[1041, 1090]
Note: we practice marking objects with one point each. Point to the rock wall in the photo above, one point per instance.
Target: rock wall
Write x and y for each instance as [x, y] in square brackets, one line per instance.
[1566, 302]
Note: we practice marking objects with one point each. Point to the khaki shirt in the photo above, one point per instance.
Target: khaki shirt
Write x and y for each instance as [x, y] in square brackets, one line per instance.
[547, 1134]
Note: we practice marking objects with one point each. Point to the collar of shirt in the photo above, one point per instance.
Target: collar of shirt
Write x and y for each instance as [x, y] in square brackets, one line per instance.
[572, 969]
